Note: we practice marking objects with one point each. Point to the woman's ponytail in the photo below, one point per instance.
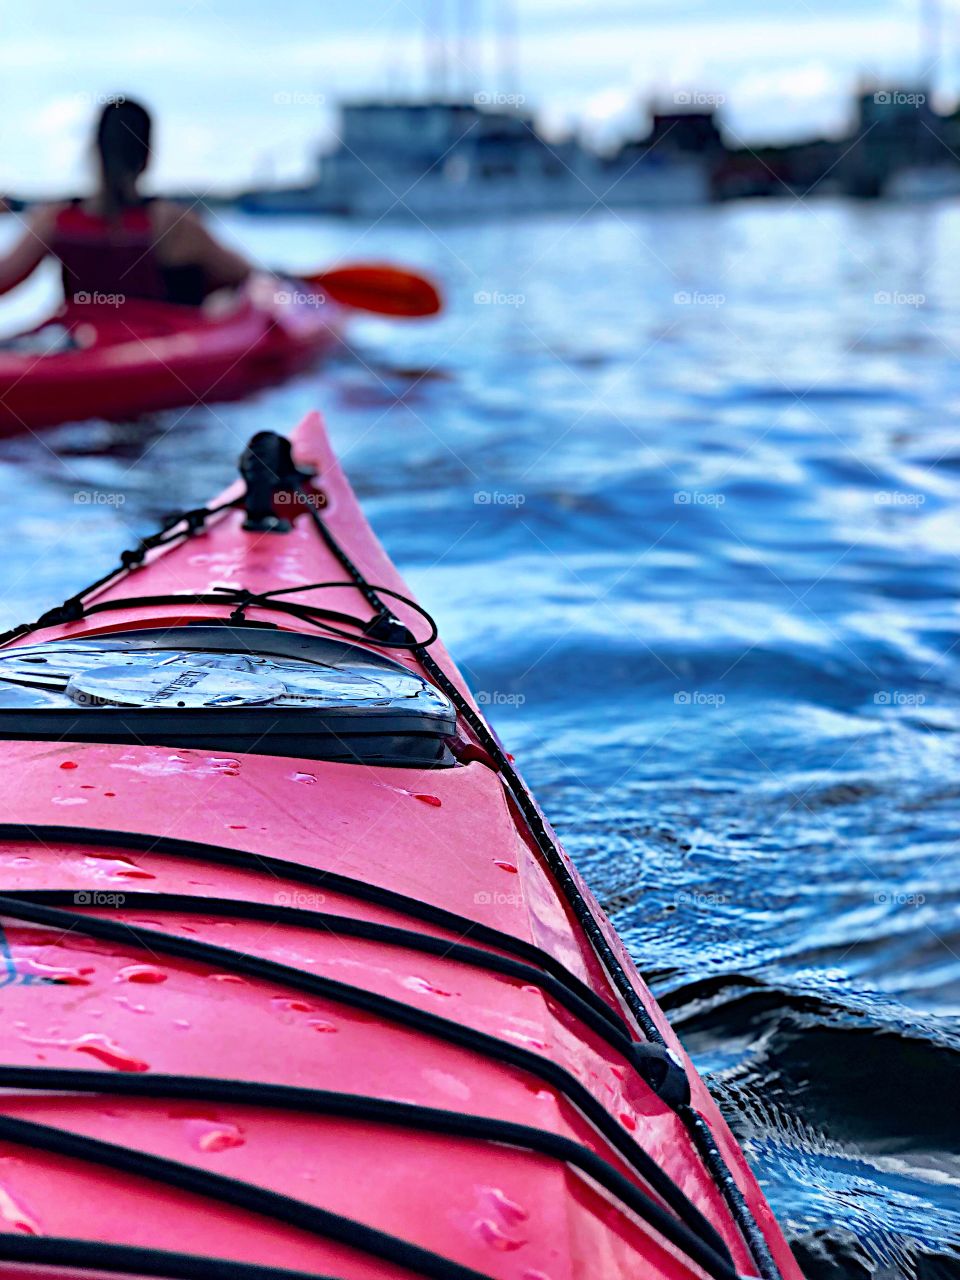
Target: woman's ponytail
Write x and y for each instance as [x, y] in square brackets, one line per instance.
[123, 147]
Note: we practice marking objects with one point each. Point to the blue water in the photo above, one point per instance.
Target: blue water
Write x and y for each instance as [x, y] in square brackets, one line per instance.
[683, 495]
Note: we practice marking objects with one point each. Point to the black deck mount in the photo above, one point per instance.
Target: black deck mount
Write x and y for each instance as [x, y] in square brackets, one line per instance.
[268, 469]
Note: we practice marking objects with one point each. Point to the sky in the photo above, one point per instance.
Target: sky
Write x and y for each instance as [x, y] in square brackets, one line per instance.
[246, 91]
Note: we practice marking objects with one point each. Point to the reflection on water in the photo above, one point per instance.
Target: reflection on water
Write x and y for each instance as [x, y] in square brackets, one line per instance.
[682, 490]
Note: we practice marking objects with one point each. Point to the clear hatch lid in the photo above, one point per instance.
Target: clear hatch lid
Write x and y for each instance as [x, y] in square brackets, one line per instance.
[221, 684]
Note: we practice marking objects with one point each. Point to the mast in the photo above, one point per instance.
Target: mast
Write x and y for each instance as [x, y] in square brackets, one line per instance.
[466, 48]
[930, 39]
[509, 75]
[435, 48]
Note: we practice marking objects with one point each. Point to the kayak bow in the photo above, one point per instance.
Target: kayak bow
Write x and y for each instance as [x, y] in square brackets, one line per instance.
[298, 979]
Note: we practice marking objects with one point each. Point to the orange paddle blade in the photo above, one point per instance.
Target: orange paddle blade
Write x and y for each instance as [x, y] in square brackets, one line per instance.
[386, 290]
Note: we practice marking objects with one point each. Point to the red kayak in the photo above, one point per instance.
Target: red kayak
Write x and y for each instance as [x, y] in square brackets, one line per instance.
[98, 360]
[298, 981]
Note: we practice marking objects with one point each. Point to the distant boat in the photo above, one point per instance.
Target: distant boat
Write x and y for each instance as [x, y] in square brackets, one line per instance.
[309, 198]
[924, 182]
[442, 159]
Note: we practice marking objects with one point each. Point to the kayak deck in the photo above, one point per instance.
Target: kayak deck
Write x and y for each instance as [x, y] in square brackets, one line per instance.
[342, 1019]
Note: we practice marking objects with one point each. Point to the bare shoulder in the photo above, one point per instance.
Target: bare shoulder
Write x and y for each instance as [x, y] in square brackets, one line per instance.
[41, 219]
[168, 215]
[177, 231]
[182, 236]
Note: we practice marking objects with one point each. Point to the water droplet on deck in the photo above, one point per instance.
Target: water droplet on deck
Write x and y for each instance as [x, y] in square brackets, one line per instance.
[141, 973]
[433, 800]
[13, 1211]
[28, 967]
[628, 1121]
[505, 866]
[421, 984]
[308, 779]
[109, 1053]
[96, 855]
[213, 1135]
[493, 1235]
[525, 1040]
[321, 1025]
[98, 1046]
[126, 1003]
[68, 764]
[294, 1006]
[507, 1209]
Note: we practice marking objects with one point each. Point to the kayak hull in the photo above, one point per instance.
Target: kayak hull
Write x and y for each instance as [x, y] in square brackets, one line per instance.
[142, 357]
[153, 839]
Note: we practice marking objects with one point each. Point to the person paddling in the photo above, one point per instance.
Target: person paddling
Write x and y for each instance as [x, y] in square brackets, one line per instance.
[118, 243]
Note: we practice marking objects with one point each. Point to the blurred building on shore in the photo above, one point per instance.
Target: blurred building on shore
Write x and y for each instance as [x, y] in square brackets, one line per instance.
[428, 159]
[448, 158]
[899, 147]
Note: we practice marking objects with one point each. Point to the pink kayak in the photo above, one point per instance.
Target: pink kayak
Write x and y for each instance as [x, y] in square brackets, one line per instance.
[118, 361]
[298, 981]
